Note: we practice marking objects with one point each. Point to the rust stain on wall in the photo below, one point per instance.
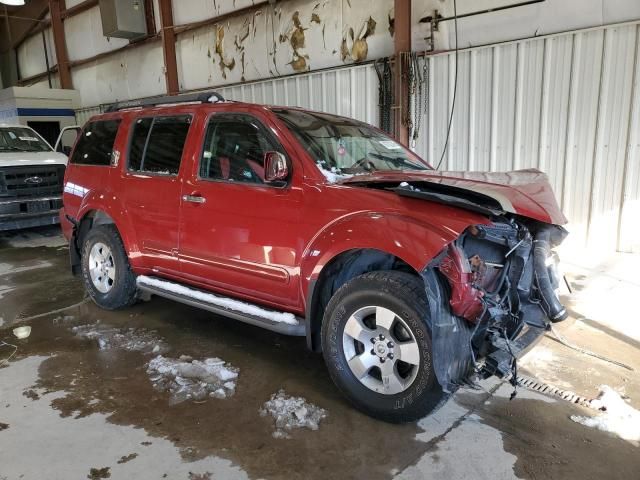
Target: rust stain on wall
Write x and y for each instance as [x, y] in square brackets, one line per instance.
[297, 42]
[354, 47]
[219, 49]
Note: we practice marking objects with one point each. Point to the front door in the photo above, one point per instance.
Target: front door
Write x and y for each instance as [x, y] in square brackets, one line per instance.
[152, 188]
[238, 232]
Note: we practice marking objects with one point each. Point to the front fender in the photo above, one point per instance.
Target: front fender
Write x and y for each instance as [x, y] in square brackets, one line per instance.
[413, 241]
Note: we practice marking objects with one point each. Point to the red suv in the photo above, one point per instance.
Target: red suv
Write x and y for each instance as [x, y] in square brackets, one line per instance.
[409, 280]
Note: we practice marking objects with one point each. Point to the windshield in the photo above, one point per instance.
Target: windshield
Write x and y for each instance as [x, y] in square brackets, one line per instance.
[21, 139]
[341, 146]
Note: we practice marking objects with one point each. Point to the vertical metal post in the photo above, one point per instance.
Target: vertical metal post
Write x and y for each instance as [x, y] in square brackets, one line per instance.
[169, 47]
[46, 58]
[59, 43]
[402, 43]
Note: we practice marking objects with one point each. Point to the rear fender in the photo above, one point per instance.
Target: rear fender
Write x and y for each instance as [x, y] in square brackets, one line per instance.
[105, 208]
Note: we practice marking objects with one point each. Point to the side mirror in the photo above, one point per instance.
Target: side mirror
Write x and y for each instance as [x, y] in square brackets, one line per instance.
[275, 167]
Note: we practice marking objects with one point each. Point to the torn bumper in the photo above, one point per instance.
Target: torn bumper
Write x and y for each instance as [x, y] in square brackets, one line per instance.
[491, 296]
[499, 362]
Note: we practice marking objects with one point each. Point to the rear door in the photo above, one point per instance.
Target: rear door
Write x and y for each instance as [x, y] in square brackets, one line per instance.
[152, 188]
[239, 233]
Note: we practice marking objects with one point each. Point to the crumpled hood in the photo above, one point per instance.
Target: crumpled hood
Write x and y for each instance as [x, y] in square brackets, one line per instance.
[18, 159]
[523, 192]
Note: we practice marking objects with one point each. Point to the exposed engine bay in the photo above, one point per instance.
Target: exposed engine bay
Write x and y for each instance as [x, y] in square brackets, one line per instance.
[491, 293]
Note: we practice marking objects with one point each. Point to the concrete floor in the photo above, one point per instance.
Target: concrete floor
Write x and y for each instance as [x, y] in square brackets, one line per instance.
[69, 410]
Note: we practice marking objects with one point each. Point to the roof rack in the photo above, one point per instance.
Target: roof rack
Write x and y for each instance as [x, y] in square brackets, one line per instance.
[200, 97]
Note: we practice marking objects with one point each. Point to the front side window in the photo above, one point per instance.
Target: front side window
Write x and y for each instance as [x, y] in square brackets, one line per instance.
[234, 149]
[95, 145]
[344, 146]
[21, 139]
[157, 144]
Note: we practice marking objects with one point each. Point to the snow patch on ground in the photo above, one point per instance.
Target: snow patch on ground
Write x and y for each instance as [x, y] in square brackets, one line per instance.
[130, 339]
[292, 412]
[334, 175]
[618, 416]
[9, 269]
[188, 379]
[4, 289]
[229, 303]
[35, 239]
[63, 319]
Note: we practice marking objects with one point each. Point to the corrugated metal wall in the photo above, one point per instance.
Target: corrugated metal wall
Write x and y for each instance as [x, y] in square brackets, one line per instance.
[351, 91]
[566, 104]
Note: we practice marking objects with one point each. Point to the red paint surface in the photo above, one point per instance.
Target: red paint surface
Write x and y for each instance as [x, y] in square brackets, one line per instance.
[465, 301]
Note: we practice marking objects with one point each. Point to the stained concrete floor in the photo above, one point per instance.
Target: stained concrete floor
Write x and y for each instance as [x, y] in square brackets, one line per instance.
[69, 410]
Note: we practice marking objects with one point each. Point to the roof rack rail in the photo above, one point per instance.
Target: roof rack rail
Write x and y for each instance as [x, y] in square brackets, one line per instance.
[200, 97]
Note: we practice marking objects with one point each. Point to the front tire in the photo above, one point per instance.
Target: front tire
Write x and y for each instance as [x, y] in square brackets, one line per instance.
[105, 269]
[377, 346]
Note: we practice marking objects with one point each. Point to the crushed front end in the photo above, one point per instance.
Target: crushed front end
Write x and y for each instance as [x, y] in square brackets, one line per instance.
[492, 293]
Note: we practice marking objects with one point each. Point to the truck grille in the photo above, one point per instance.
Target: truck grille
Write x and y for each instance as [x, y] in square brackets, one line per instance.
[31, 181]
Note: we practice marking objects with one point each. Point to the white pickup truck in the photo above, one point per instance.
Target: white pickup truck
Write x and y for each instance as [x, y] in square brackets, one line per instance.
[31, 179]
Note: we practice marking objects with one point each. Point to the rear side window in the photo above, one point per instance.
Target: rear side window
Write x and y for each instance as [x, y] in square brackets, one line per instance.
[95, 145]
[157, 144]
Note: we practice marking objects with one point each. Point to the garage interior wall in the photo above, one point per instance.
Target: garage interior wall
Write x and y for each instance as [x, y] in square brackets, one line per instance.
[565, 102]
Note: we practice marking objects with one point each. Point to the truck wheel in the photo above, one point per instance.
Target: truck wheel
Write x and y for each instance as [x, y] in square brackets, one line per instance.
[377, 346]
[105, 268]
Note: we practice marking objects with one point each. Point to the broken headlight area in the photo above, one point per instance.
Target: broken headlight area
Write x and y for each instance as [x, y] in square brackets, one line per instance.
[492, 292]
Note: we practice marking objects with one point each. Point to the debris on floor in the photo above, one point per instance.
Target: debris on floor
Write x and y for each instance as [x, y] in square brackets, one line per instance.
[98, 473]
[292, 412]
[189, 379]
[618, 416]
[130, 339]
[63, 319]
[127, 458]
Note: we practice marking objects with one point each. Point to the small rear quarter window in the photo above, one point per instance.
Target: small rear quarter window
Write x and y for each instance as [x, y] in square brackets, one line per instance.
[95, 145]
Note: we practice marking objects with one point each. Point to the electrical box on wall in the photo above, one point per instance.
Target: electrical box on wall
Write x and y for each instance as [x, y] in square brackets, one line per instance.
[123, 18]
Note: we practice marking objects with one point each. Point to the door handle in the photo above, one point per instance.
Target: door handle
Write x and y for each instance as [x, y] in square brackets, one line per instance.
[193, 199]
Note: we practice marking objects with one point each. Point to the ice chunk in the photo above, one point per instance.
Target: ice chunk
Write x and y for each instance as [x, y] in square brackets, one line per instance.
[189, 379]
[130, 339]
[333, 175]
[291, 412]
[618, 416]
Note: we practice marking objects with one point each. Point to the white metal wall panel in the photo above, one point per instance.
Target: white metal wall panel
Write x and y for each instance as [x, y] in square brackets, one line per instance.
[567, 104]
[84, 114]
[630, 218]
[352, 92]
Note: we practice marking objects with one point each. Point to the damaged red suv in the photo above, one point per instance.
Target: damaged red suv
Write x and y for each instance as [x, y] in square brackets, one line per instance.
[409, 280]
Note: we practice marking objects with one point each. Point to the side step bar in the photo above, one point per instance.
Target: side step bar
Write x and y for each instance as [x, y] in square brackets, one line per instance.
[280, 322]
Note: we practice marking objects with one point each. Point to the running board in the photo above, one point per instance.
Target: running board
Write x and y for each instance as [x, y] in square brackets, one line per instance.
[280, 322]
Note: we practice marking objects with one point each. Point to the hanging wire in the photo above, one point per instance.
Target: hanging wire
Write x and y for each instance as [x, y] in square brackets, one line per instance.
[455, 86]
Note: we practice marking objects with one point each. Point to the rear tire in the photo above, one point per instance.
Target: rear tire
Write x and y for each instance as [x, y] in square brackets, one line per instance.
[376, 343]
[107, 274]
